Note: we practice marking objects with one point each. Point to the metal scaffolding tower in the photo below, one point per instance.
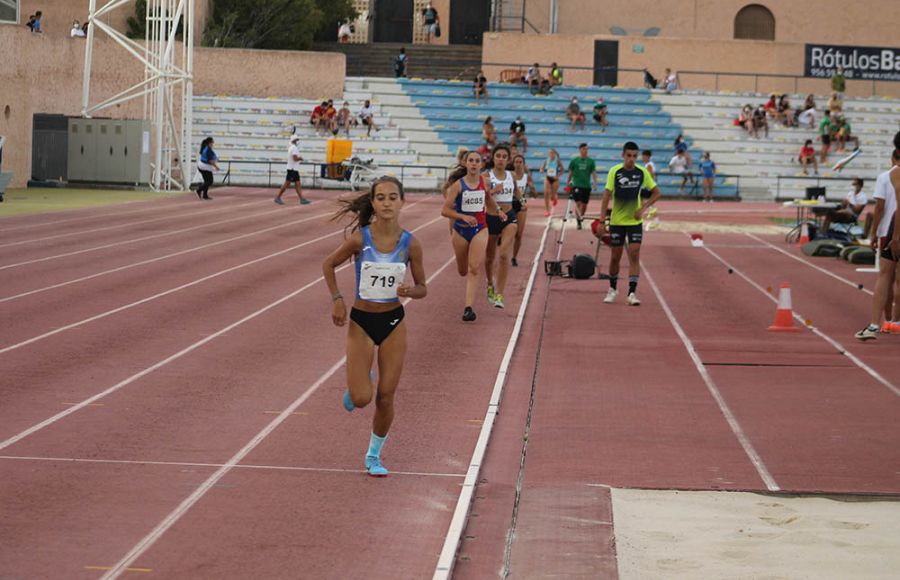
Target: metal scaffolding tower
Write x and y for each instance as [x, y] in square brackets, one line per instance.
[167, 89]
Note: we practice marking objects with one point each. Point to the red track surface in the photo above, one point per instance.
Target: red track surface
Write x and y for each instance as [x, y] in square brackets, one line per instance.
[616, 399]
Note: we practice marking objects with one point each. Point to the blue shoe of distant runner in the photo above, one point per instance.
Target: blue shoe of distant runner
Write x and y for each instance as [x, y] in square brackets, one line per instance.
[279, 201]
[374, 467]
[305, 201]
[348, 402]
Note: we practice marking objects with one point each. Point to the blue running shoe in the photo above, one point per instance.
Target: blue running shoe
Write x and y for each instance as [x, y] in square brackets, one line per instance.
[374, 467]
[348, 402]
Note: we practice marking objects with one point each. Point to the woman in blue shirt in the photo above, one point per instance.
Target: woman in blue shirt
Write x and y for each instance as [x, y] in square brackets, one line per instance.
[207, 164]
[708, 169]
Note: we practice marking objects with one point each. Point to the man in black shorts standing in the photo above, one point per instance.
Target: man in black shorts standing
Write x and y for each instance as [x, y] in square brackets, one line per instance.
[624, 184]
[582, 180]
[293, 173]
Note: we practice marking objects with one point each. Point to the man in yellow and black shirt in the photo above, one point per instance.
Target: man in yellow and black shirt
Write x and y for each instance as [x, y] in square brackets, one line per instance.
[623, 185]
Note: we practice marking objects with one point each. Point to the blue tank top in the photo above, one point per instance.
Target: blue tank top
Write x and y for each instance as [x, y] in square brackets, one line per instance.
[379, 275]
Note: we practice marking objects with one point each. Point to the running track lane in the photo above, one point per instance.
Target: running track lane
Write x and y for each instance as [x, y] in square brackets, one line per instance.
[426, 443]
[108, 350]
[617, 403]
[819, 422]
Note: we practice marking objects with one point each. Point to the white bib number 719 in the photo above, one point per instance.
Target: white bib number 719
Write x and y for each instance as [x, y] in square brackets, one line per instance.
[379, 281]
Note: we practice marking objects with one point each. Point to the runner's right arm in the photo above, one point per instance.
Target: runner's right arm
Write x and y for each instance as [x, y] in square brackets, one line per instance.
[347, 250]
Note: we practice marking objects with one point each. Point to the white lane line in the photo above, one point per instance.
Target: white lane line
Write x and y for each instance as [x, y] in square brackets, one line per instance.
[157, 532]
[158, 259]
[447, 558]
[736, 428]
[125, 225]
[100, 215]
[93, 399]
[217, 465]
[800, 319]
[162, 294]
[837, 277]
[141, 239]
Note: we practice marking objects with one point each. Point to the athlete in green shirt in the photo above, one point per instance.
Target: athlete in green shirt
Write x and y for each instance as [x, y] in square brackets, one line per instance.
[582, 176]
[623, 185]
[825, 131]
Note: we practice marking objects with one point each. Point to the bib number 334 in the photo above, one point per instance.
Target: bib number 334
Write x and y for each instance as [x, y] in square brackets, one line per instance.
[379, 281]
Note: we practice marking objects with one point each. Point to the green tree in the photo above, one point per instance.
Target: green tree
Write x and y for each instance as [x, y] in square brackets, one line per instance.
[272, 24]
[137, 24]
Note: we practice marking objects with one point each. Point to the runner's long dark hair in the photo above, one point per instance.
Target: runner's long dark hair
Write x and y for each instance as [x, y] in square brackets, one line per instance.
[360, 207]
[206, 142]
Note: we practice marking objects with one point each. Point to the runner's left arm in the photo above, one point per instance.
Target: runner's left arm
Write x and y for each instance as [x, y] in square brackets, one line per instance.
[895, 241]
[419, 289]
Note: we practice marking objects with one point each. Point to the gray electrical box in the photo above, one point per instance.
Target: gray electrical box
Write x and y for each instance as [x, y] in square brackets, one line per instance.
[109, 151]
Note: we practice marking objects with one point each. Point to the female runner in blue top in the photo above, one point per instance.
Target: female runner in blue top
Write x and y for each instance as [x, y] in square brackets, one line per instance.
[383, 251]
[465, 200]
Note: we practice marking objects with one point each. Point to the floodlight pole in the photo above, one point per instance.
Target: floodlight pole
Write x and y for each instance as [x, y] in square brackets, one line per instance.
[164, 75]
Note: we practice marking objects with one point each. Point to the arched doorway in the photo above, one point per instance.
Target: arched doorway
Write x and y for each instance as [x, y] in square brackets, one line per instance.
[754, 22]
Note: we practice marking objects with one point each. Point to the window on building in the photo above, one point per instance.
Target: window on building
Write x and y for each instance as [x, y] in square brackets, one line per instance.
[754, 22]
[9, 11]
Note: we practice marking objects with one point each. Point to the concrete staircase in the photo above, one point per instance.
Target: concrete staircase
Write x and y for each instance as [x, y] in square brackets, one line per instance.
[407, 118]
[767, 167]
[433, 62]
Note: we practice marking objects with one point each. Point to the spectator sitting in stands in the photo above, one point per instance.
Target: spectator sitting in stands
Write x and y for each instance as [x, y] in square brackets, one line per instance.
[574, 114]
[772, 108]
[367, 117]
[670, 83]
[331, 117]
[649, 80]
[76, 31]
[785, 112]
[533, 78]
[600, 113]
[851, 208]
[745, 120]
[835, 103]
[806, 115]
[808, 156]
[841, 131]
[480, 87]
[344, 120]
[517, 134]
[34, 22]
[488, 133]
[680, 145]
[760, 121]
[317, 118]
[556, 75]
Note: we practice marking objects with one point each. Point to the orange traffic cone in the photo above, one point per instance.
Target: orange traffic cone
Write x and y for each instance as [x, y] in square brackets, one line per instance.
[804, 234]
[784, 315]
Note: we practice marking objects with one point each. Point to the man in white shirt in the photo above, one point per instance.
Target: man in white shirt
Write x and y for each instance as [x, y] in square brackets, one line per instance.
[886, 193]
[679, 166]
[367, 117]
[851, 208]
[293, 172]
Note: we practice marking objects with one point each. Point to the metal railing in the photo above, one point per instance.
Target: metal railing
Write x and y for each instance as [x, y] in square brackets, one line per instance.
[310, 175]
[715, 78]
[807, 181]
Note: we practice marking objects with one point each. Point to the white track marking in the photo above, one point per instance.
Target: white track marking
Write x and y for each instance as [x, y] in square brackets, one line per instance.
[837, 277]
[736, 428]
[93, 399]
[160, 258]
[125, 225]
[94, 216]
[162, 294]
[447, 559]
[838, 346]
[133, 240]
[198, 493]
[217, 465]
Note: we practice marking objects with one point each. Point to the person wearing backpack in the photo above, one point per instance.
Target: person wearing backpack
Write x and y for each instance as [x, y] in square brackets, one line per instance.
[400, 64]
[432, 22]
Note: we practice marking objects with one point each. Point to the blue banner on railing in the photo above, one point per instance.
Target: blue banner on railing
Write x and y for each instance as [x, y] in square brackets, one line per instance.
[858, 62]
